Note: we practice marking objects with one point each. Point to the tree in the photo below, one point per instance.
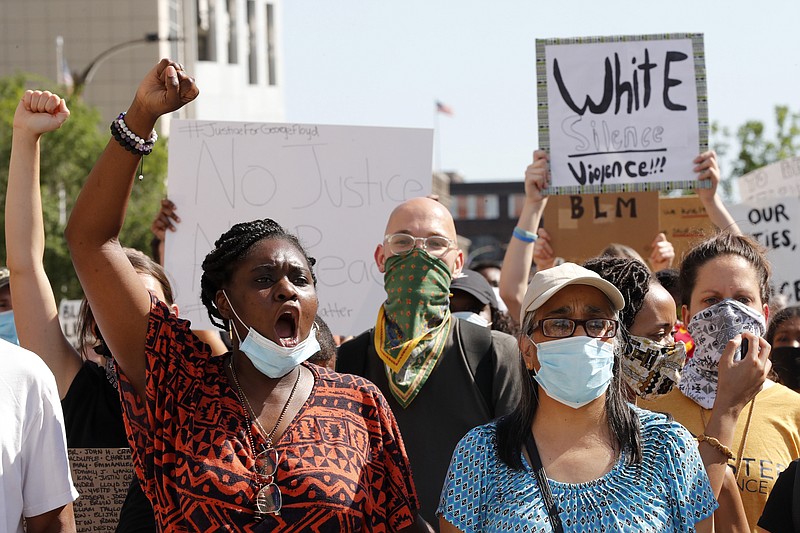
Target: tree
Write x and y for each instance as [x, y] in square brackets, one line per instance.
[67, 156]
[752, 149]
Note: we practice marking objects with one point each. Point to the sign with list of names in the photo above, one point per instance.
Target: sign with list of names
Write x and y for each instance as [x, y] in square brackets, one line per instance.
[332, 186]
[102, 477]
[625, 113]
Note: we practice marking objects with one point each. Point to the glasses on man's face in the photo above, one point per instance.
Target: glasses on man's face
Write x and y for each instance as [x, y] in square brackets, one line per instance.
[403, 243]
[268, 498]
[558, 328]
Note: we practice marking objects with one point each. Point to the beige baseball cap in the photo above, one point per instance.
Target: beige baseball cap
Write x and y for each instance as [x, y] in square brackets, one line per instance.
[548, 282]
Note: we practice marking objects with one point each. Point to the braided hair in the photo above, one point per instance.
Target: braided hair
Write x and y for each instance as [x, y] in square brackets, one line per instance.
[630, 276]
[232, 246]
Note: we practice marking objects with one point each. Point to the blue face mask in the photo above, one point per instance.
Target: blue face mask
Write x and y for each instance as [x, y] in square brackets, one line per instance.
[575, 370]
[270, 358]
[8, 331]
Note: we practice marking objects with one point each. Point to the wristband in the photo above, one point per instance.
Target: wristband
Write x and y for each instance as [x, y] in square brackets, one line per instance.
[524, 235]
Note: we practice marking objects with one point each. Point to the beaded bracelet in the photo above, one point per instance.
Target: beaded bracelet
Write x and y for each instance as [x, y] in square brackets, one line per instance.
[524, 235]
[129, 140]
[716, 444]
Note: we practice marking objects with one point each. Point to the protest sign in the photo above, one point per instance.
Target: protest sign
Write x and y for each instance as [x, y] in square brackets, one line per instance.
[626, 113]
[332, 186]
[778, 180]
[775, 223]
[102, 477]
[581, 226]
[68, 315]
[684, 221]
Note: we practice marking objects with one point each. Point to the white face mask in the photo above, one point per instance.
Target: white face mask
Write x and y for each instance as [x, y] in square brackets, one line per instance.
[270, 358]
[475, 318]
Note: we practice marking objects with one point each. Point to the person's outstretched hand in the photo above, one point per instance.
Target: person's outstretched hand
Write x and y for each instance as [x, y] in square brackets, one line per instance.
[40, 112]
[707, 168]
[543, 255]
[166, 219]
[537, 177]
[166, 88]
[662, 254]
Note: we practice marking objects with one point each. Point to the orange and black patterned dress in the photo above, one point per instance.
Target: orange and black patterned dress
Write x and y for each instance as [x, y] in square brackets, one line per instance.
[342, 463]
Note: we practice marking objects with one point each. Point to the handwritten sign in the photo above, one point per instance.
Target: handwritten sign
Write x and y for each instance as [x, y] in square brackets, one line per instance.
[69, 312]
[775, 223]
[332, 186]
[622, 113]
[684, 221]
[581, 226]
[778, 180]
[102, 476]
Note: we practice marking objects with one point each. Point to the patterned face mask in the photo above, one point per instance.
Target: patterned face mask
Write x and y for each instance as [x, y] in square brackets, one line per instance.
[651, 369]
[711, 330]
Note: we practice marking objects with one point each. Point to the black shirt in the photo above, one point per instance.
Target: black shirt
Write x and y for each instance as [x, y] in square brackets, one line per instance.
[93, 419]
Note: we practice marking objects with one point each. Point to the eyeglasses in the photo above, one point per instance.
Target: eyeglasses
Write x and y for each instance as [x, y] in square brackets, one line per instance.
[403, 243]
[268, 499]
[558, 328]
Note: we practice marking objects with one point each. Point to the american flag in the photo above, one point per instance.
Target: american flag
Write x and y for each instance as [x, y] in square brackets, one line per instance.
[443, 108]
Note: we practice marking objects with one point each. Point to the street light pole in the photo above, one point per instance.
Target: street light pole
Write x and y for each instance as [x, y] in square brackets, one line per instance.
[83, 78]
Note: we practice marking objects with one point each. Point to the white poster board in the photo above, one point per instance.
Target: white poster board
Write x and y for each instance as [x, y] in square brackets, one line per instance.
[778, 180]
[775, 224]
[69, 312]
[332, 186]
[625, 113]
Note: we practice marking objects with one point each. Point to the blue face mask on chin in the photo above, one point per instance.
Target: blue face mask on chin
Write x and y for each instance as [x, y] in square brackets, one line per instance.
[8, 331]
[575, 370]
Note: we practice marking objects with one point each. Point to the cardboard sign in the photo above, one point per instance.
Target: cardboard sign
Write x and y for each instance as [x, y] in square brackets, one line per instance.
[102, 477]
[775, 223]
[581, 226]
[684, 221]
[622, 113]
[332, 186]
[69, 312]
[778, 180]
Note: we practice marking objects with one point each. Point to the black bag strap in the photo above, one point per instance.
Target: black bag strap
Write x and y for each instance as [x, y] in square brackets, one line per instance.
[544, 486]
[476, 343]
[351, 357]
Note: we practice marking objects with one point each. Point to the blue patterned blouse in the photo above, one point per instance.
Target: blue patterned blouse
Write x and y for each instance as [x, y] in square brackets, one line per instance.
[668, 491]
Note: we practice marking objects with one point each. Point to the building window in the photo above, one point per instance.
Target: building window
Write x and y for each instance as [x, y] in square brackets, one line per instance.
[233, 35]
[271, 78]
[206, 45]
[252, 43]
[491, 206]
[174, 28]
[515, 203]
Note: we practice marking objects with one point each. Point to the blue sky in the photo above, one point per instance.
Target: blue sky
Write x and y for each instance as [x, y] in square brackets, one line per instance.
[384, 63]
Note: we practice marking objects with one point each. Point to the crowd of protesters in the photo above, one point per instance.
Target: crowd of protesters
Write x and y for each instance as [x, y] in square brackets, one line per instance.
[536, 395]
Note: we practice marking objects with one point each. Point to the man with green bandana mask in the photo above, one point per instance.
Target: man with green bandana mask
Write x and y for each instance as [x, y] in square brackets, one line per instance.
[442, 376]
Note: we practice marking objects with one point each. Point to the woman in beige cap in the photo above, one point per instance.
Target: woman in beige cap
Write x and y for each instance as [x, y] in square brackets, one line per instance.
[574, 455]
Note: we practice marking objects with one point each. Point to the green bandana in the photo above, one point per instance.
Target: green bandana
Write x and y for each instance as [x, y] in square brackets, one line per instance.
[414, 322]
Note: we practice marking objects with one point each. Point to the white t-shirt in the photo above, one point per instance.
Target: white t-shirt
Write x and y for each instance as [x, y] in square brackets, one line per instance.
[34, 470]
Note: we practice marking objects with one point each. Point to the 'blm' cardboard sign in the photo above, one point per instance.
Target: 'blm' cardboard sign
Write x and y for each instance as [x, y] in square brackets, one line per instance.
[581, 226]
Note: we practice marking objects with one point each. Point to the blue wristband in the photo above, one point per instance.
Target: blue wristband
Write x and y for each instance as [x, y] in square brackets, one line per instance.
[524, 236]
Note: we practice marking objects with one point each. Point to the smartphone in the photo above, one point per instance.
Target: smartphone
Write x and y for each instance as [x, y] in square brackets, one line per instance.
[743, 348]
